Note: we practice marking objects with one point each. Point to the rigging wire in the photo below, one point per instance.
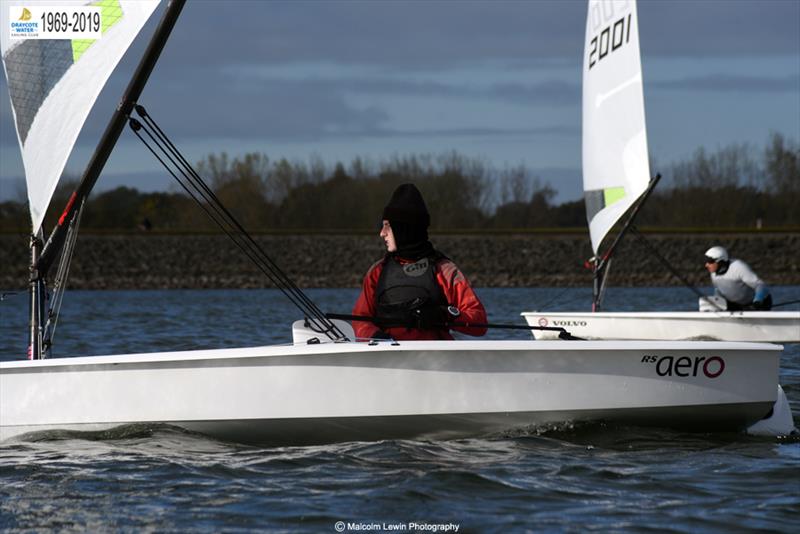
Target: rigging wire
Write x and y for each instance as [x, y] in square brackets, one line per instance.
[199, 191]
[62, 274]
[650, 248]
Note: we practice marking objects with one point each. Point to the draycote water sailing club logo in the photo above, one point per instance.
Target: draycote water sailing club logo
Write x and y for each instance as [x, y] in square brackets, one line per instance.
[55, 22]
[22, 25]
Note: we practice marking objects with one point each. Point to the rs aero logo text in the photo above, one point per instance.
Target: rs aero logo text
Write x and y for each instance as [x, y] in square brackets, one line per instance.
[685, 366]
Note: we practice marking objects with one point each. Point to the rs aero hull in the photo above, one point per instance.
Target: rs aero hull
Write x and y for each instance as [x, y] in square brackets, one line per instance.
[317, 393]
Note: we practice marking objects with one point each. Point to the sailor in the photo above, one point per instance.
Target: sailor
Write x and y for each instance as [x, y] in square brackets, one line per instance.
[736, 282]
[414, 291]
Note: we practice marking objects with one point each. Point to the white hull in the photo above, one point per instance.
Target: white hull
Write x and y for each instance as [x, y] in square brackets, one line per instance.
[316, 393]
[760, 326]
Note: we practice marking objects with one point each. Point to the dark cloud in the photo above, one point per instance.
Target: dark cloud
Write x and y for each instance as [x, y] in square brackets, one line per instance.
[719, 28]
[554, 92]
[727, 84]
[418, 35]
[314, 110]
[203, 104]
[545, 131]
[437, 34]
[280, 110]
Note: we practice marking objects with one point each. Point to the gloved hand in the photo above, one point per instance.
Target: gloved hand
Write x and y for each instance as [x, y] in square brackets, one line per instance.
[762, 305]
[762, 299]
[380, 334]
[430, 317]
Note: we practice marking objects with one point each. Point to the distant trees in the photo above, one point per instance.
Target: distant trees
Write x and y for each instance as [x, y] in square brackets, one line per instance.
[242, 186]
[734, 186]
[782, 165]
[731, 188]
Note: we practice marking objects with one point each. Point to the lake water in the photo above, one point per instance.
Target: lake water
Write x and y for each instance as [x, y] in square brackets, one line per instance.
[569, 478]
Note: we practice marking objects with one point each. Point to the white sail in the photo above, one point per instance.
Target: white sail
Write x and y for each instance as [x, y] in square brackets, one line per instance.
[53, 84]
[616, 170]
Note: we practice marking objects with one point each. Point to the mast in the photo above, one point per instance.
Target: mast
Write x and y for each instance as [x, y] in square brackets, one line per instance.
[43, 256]
[37, 299]
[602, 264]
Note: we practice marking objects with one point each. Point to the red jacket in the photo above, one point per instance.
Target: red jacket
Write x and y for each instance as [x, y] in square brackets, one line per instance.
[456, 290]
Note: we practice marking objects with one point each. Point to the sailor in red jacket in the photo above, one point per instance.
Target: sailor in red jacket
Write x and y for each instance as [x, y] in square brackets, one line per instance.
[415, 291]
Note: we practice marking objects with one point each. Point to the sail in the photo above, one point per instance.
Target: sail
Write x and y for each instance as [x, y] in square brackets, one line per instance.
[53, 84]
[616, 170]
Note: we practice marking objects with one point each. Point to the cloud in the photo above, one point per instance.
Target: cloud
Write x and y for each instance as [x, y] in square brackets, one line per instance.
[418, 35]
[719, 28]
[437, 34]
[545, 131]
[243, 102]
[721, 83]
[552, 92]
[314, 110]
[548, 92]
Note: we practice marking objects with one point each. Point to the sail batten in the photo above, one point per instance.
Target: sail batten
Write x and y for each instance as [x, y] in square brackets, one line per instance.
[53, 84]
[616, 170]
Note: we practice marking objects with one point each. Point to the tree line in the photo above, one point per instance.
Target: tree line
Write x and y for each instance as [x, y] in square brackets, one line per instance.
[735, 186]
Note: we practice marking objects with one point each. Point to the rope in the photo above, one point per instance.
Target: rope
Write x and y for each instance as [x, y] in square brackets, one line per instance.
[197, 189]
[670, 268]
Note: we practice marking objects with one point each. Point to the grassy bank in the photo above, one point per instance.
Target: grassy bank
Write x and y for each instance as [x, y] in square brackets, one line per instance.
[491, 259]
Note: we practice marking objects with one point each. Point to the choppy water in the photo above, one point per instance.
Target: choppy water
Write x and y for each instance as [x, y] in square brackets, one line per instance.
[576, 478]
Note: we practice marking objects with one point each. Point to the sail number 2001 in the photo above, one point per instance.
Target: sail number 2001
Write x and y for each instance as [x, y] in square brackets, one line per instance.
[611, 38]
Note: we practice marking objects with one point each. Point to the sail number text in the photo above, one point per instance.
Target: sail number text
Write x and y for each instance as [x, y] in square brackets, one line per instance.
[611, 29]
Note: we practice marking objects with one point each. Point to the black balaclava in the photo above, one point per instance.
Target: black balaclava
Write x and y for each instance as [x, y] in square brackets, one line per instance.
[409, 218]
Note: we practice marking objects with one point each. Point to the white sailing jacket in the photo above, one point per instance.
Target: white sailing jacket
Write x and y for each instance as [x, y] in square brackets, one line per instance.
[738, 284]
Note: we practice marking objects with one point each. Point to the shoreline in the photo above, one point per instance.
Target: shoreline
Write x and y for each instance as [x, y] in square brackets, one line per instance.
[192, 261]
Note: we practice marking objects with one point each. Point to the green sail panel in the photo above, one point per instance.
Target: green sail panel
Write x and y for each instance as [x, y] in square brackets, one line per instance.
[613, 194]
[111, 13]
[599, 199]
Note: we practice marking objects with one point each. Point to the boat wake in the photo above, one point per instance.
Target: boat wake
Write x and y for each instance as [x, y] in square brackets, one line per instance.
[620, 436]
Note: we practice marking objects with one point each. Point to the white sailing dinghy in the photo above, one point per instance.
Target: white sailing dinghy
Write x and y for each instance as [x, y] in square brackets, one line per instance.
[616, 179]
[327, 387]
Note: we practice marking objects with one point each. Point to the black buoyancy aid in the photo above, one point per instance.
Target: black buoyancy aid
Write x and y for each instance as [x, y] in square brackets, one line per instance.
[404, 288]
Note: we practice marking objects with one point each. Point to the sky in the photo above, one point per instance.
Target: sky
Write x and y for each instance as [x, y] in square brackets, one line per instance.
[498, 81]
